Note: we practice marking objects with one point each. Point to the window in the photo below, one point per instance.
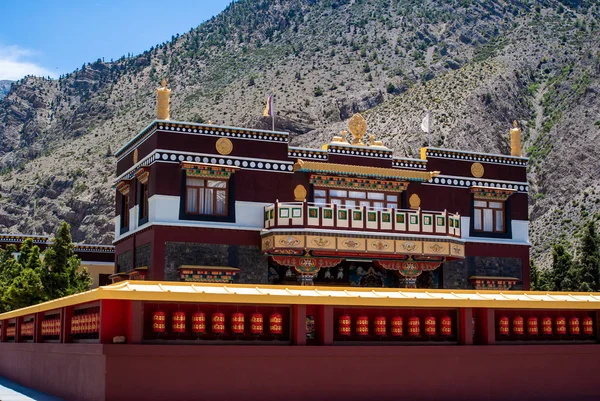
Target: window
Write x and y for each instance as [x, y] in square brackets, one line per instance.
[143, 205]
[125, 211]
[206, 197]
[351, 198]
[488, 216]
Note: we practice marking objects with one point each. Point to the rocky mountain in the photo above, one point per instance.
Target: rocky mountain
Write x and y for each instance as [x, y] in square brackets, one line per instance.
[476, 64]
[4, 88]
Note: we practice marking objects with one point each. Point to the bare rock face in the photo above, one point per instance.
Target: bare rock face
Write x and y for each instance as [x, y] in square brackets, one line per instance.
[477, 65]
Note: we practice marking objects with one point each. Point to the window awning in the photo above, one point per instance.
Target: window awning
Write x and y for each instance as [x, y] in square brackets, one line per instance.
[364, 171]
[207, 170]
[487, 193]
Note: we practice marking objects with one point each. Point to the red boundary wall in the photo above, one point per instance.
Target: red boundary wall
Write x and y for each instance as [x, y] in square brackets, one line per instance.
[95, 372]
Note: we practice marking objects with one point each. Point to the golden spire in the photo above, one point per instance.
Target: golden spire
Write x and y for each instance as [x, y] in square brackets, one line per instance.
[164, 98]
[515, 140]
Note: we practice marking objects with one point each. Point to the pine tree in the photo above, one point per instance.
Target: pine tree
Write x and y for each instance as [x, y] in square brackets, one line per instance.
[25, 251]
[562, 263]
[25, 289]
[589, 263]
[534, 277]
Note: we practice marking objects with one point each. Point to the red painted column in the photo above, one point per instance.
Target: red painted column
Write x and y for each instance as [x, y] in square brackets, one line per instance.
[135, 321]
[65, 324]
[299, 325]
[157, 262]
[595, 328]
[485, 331]
[3, 331]
[325, 324]
[465, 326]
[37, 327]
[18, 324]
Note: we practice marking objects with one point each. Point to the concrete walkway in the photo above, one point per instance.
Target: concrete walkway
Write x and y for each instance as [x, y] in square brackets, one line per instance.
[11, 391]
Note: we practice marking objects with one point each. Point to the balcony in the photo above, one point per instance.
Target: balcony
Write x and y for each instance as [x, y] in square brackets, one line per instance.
[300, 215]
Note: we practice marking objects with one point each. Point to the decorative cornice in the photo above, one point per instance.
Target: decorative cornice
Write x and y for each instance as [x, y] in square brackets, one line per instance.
[475, 156]
[486, 193]
[364, 171]
[207, 170]
[307, 153]
[365, 151]
[468, 182]
[358, 183]
[410, 163]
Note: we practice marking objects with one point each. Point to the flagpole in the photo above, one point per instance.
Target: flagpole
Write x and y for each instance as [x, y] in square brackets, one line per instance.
[428, 129]
[273, 111]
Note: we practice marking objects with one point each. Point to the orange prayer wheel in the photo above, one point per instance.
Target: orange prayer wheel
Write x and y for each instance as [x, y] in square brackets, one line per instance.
[430, 326]
[344, 324]
[158, 322]
[362, 326]
[414, 326]
[396, 326]
[532, 326]
[518, 325]
[237, 323]
[44, 327]
[379, 326]
[561, 325]
[74, 324]
[178, 322]
[588, 326]
[574, 328]
[446, 326]
[503, 326]
[275, 324]
[198, 323]
[218, 323]
[547, 326]
[256, 323]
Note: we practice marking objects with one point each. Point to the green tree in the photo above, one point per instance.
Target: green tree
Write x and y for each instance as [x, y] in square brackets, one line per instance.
[24, 290]
[62, 276]
[588, 272]
[562, 263]
[25, 251]
[534, 277]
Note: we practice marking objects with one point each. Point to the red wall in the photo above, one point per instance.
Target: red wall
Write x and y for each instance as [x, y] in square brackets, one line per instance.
[186, 372]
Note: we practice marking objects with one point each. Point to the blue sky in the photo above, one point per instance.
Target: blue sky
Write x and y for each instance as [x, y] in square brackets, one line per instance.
[53, 37]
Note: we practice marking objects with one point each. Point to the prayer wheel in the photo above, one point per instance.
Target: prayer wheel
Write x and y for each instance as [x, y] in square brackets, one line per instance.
[574, 328]
[379, 326]
[362, 326]
[75, 324]
[561, 325]
[532, 326]
[503, 326]
[414, 326]
[275, 324]
[218, 323]
[430, 326]
[237, 323]
[198, 323]
[547, 326]
[56, 327]
[256, 323]
[396, 326]
[178, 322]
[344, 324]
[518, 325]
[588, 326]
[95, 322]
[44, 325]
[158, 322]
[446, 326]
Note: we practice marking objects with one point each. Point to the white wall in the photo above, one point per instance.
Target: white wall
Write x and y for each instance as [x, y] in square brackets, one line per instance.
[520, 233]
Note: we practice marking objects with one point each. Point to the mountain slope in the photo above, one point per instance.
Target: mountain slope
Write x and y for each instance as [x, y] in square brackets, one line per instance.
[4, 88]
[476, 64]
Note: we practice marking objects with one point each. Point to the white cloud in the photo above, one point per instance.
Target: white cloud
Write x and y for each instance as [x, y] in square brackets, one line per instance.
[15, 63]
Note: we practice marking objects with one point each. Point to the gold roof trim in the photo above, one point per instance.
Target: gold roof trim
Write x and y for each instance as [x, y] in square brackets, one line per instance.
[200, 267]
[363, 171]
[169, 291]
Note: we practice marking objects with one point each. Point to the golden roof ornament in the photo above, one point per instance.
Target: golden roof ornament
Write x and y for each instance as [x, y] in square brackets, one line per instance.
[164, 98]
[515, 140]
[358, 128]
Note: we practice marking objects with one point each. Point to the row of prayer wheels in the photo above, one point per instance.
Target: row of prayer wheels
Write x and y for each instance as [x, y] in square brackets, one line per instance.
[85, 323]
[198, 323]
[51, 327]
[560, 326]
[396, 326]
[11, 331]
[27, 329]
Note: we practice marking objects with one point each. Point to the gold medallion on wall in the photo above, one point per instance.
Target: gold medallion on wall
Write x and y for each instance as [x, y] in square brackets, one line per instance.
[300, 193]
[477, 170]
[414, 201]
[224, 146]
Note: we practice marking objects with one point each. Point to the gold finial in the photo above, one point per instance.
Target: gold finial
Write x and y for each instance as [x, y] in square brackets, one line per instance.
[358, 128]
[163, 107]
[374, 143]
[341, 138]
[515, 140]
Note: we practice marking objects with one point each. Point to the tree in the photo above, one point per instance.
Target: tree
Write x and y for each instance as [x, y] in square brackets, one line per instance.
[588, 272]
[534, 277]
[62, 276]
[25, 289]
[562, 263]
